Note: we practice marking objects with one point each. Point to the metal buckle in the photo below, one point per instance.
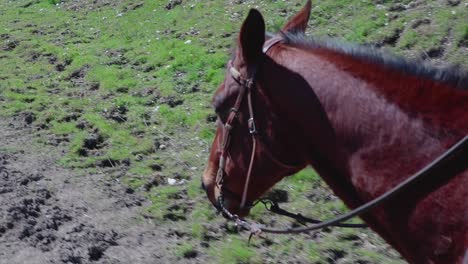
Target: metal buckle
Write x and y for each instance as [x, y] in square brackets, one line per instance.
[252, 127]
[249, 83]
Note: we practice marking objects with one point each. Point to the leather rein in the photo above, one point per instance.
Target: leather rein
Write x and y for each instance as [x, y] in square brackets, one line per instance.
[248, 85]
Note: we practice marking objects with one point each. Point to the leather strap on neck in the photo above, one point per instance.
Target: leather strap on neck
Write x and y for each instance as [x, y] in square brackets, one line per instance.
[271, 42]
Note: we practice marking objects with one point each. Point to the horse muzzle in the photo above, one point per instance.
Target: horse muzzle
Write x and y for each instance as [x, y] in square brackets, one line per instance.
[228, 203]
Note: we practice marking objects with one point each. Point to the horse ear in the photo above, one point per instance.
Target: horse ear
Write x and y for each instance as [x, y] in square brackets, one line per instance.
[298, 23]
[252, 36]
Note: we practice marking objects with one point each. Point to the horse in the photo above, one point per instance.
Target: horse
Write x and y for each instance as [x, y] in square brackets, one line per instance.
[363, 119]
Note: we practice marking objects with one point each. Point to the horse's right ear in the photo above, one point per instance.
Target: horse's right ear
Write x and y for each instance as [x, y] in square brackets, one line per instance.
[298, 23]
[252, 37]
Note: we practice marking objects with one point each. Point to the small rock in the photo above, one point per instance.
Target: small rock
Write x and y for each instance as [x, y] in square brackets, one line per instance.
[171, 181]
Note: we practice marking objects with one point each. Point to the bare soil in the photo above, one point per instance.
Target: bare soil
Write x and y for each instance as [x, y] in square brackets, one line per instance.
[49, 214]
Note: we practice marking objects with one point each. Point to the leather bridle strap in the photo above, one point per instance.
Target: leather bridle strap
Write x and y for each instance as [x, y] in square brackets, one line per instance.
[253, 133]
[227, 135]
[251, 122]
[272, 42]
[245, 84]
[274, 207]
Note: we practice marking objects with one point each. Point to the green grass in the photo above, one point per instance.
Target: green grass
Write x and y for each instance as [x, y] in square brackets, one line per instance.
[160, 198]
[61, 128]
[235, 251]
[409, 40]
[184, 249]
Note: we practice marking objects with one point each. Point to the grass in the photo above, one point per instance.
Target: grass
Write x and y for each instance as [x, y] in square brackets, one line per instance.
[82, 72]
[235, 251]
[160, 198]
[184, 250]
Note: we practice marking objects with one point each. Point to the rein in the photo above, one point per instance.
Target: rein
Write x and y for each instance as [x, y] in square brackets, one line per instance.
[247, 85]
[459, 149]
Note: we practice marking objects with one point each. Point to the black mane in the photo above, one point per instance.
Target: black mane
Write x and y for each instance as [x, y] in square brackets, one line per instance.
[454, 75]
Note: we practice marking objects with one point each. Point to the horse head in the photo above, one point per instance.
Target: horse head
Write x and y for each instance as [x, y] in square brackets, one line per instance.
[254, 146]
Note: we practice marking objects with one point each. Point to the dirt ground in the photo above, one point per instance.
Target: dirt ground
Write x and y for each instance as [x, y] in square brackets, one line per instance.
[50, 215]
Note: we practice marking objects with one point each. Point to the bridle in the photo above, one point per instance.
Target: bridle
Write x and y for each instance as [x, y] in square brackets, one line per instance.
[247, 85]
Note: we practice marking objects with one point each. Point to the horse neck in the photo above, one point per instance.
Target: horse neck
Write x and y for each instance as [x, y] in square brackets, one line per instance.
[309, 125]
[361, 117]
[383, 140]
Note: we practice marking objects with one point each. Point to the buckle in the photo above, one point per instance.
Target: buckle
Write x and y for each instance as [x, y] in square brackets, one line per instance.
[249, 83]
[252, 127]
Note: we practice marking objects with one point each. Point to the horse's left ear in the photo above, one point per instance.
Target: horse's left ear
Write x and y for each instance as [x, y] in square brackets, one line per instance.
[298, 23]
[252, 36]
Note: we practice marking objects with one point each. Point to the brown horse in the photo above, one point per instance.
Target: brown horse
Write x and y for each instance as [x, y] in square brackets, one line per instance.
[364, 120]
